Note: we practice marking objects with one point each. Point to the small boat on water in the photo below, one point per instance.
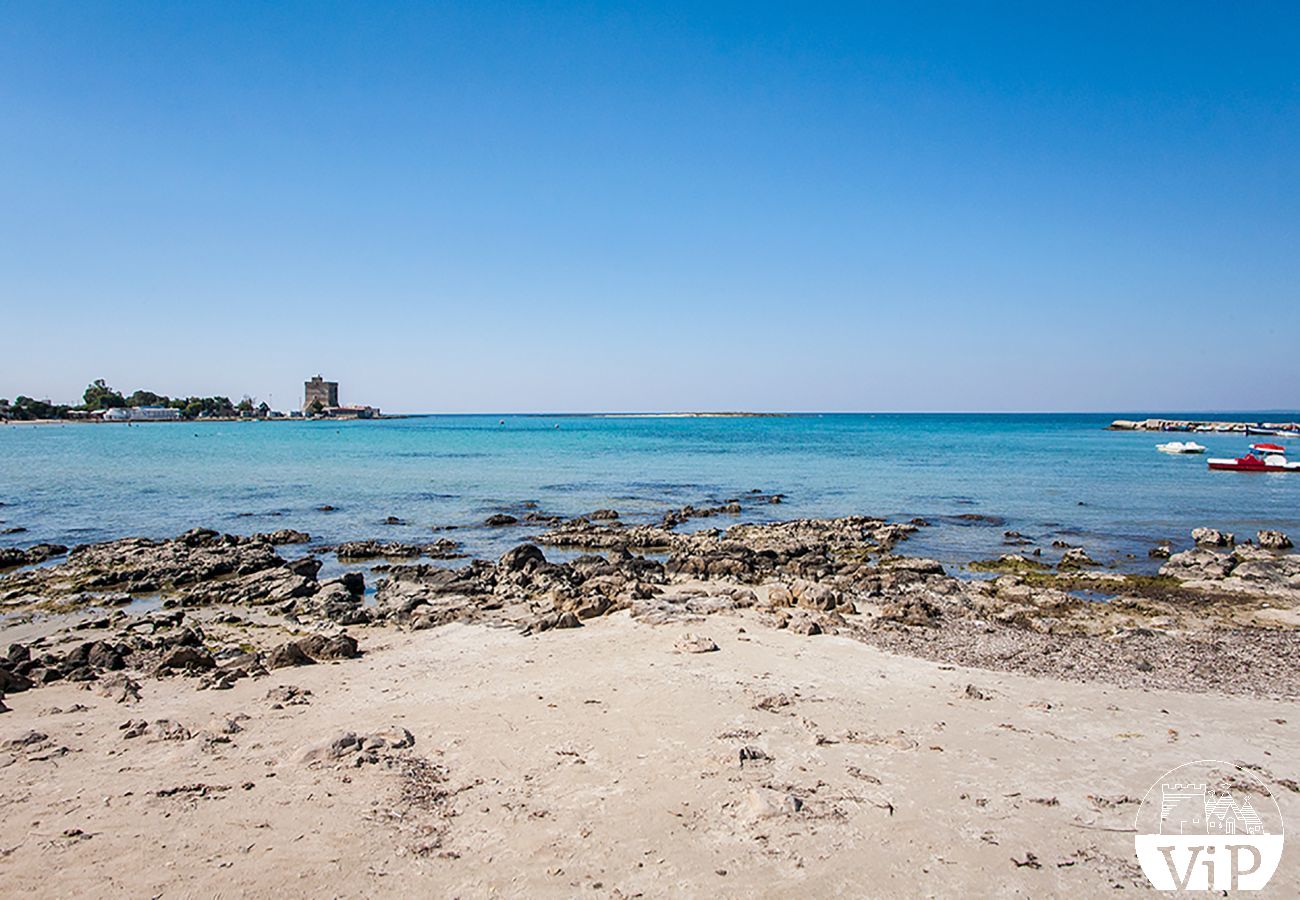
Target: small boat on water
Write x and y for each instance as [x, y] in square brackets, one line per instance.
[1266, 449]
[1288, 432]
[1180, 447]
[1273, 462]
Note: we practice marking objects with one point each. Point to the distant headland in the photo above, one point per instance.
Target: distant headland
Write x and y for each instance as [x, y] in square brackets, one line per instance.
[101, 403]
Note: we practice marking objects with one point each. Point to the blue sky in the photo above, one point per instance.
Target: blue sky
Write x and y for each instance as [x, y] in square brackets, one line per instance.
[569, 207]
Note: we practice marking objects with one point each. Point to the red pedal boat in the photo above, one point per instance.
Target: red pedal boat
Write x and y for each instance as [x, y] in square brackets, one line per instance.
[1273, 462]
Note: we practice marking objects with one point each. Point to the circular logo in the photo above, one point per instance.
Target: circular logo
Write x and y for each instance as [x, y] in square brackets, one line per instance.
[1209, 825]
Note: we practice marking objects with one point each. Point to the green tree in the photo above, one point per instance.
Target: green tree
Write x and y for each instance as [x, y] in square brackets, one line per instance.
[146, 398]
[26, 408]
[315, 408]
[99, 395]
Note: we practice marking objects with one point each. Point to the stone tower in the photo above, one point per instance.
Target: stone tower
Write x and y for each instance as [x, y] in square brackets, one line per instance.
[319, 390]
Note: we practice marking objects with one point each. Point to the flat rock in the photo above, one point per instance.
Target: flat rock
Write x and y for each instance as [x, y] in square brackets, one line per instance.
[692, 643]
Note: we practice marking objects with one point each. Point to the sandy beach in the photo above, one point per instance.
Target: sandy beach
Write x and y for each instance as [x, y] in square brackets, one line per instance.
[778, 709]
[603, 761]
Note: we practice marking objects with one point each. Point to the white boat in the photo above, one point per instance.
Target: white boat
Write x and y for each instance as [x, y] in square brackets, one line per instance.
[1180, 447]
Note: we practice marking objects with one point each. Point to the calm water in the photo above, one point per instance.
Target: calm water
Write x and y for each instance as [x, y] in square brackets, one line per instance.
[1047, 476]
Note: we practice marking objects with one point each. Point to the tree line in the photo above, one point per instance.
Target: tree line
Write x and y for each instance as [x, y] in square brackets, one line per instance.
[99, 396]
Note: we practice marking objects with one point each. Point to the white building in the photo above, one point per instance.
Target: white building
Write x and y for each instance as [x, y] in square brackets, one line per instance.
[143, 414]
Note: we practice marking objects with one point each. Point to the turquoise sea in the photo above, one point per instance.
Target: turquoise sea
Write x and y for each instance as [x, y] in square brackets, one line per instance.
[1047, 476]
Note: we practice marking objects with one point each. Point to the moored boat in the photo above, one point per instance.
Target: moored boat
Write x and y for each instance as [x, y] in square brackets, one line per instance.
[1266, 449]
[1274, 462]
[1180, 447]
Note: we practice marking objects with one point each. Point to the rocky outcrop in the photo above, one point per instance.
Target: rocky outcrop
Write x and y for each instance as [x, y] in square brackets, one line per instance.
[1075, 558]
[351, 748]
[340, 600]
[1246, 569]
[283, 536]
[260, 588]
[1212, 537]
[522, 586]
[37, 553]
[525, 557]
[582, 532]
[140, 565]
[357, 550]
[675, 517]
[1273, 540]
[1201, 563]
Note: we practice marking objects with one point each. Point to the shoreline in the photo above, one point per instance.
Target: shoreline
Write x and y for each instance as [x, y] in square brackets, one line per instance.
[792, 706]
[849, 575]
[213, 419]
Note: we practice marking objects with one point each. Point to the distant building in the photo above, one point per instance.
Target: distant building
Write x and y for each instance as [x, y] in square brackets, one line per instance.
[351, 412]
[142, 414]
[318, 390]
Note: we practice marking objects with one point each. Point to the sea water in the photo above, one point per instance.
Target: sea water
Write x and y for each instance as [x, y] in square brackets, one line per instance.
[973, 477]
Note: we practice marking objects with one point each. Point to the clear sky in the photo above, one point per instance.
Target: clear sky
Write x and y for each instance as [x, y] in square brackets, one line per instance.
[569, 207]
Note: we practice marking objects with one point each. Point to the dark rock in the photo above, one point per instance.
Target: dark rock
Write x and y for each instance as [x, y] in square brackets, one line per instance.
[189, 659]
[373, 549]
[197, 537]
[283, 536]
[103, 655]
[498, 520]
[28, 739]
[14, 556]
[306, 567]
[911, 610]
[288, 654]
[524, 556]
[805, 626]
[137, 565]
[913, 564]
[319, 646]
[604, 515]
[13, 683]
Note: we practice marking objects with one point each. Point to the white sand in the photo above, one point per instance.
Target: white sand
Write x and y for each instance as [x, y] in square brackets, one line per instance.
[598, 761]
